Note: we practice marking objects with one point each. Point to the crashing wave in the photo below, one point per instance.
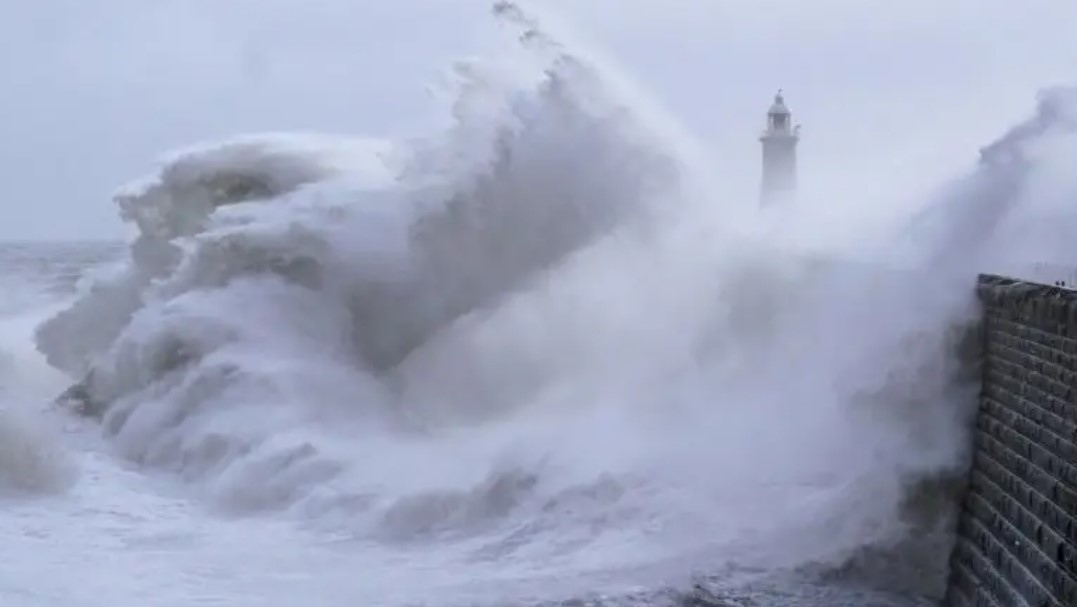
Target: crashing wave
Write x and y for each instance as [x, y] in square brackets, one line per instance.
[178, 203]
[294, 276]
[505, 333]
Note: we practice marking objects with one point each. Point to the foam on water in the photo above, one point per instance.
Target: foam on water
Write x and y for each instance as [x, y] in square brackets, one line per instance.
[531, 350]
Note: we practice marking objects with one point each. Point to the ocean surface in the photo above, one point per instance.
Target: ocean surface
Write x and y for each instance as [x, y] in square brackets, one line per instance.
[528, 358]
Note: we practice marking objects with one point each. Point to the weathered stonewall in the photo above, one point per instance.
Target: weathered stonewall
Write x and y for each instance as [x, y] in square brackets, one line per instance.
[1017, 535]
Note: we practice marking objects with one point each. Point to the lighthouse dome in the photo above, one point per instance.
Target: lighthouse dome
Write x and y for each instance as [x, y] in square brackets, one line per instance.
[778, 108]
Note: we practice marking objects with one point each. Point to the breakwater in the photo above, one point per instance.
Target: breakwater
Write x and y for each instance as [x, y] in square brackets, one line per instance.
[1017, 532]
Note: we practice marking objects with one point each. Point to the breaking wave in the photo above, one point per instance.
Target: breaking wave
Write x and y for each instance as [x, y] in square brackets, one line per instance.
[33, 459]
[531, 336]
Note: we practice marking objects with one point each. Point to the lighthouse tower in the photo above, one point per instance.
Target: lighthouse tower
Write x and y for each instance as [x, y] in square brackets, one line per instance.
[779, 153]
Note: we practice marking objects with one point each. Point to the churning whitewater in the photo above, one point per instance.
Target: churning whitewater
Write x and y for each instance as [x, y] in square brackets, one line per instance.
[527, 358]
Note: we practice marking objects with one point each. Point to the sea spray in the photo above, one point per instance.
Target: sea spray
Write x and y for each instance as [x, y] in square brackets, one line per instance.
[529, 344]
[33, 460]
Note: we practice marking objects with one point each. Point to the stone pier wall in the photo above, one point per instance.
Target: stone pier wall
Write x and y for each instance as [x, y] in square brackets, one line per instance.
[1017, 536]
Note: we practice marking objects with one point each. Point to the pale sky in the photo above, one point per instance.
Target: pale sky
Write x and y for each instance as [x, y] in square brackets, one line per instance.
[94, 92]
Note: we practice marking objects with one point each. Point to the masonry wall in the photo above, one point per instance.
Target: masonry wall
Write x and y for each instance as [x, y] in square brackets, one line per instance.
[1017, 535]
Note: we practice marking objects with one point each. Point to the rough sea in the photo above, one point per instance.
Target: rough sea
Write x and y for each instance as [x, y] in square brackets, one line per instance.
[524, 359]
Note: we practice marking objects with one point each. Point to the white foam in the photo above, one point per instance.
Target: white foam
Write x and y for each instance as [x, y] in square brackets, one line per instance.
[33, 458]
[528, 344]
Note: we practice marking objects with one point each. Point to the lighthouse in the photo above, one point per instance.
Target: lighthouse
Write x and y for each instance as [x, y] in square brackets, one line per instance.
[779, 153]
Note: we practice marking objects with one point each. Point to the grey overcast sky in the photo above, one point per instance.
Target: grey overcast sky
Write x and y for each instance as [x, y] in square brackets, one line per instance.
[94, 92]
